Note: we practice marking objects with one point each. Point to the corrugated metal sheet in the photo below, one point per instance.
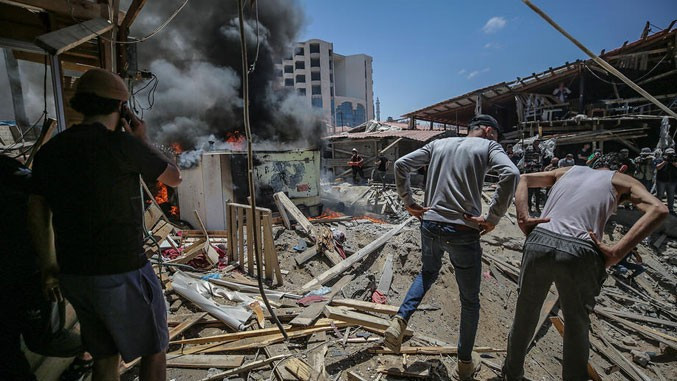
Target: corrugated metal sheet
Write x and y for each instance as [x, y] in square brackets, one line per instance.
[418, 135]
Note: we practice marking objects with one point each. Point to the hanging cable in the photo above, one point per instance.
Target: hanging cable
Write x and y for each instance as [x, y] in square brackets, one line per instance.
[250, 170]
[258, 42]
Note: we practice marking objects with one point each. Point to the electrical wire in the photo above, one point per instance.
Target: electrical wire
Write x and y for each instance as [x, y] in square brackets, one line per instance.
[153, 33]
[258, 43]
[250, 170]
[150, 96]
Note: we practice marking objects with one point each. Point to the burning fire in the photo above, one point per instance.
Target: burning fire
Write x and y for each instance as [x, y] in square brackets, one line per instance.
[328, 213]
[162, 197]
[372, 219]
[177, 148]
[236, 140]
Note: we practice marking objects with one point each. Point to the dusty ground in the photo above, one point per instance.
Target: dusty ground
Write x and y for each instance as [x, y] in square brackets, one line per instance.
[498, 297]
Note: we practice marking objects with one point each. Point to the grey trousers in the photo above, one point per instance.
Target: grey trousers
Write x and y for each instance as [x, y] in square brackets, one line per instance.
[577, 268]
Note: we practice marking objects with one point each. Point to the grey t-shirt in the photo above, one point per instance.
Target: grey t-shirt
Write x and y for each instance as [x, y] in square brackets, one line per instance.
[456, 170]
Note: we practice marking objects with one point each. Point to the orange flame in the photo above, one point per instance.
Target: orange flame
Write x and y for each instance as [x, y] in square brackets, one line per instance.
[328, 213]
[372, 219]
[161, 196]
[236, 140]
[177, 148]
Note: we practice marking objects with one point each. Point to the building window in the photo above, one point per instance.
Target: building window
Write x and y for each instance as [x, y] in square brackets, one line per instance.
[317, 90]
[315, 76]
[331, 91]
[301, 91]
[299, 51]
[331, 77]
[288, 69]
[314, 48]
[331, 65]
[299, 65]
[289, 81]
[301, 78]
[344, 114]
[314, 62]
[317, 102]
[359, 116]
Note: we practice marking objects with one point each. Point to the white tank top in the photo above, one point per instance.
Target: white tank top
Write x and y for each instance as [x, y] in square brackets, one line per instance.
[581, 200]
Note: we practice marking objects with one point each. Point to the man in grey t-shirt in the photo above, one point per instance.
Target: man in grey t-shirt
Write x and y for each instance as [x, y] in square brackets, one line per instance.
[451, 221]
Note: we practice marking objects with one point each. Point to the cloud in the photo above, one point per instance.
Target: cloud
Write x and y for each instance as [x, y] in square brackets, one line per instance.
[492, 45]
[461, 72]
[494, 24]
[475, 73]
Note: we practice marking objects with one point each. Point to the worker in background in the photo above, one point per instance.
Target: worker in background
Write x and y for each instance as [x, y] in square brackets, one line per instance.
[533, 162]
[645, 168]
[565, 247]
[554, 162]
[451, 222]
[666, 177]
[86, 214]
[583, 154]
[514, 157]
[381, 169]
[561, 93]
[596, 154]
[26, 311]
[629, 163]
[567, 161]
[356, 162]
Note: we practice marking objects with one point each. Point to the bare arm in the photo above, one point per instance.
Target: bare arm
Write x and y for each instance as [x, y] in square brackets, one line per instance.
[40, 226]
[661, 165]
[654, 214]
[171, 176]
[533, 180]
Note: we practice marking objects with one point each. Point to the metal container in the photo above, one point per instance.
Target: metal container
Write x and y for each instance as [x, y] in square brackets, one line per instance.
[221, 176]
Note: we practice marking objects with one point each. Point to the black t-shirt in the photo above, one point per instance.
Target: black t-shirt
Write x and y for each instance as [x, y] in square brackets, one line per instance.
[89, 176]
[16, 248]
[666, 174]
[584, 153]
[382, 162]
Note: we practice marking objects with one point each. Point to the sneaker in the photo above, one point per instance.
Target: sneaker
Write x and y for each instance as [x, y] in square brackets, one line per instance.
[77, 370]
[395, 333]
[467, 369]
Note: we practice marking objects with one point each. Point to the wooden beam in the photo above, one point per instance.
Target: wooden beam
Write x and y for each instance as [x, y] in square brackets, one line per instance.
[295, 212]
[445, 350]
[67, 38]
[391, 145]
[80, 9]
[358, 256]
[132, 13]
[204, 361]
[357, 318]
[247, 367]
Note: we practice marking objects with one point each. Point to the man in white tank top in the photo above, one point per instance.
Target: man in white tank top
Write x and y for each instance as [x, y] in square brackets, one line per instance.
[564, 246]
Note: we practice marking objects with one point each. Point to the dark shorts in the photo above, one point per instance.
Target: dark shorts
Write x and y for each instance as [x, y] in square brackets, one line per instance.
[120, 313]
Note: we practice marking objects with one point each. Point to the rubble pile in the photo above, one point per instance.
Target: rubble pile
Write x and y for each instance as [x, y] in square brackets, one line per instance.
[334, 315]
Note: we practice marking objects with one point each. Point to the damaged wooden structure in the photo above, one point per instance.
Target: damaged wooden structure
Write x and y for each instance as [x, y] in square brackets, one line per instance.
[599, 108]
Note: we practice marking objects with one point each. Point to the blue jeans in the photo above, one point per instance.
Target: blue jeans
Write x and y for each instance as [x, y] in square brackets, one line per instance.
[465, 254]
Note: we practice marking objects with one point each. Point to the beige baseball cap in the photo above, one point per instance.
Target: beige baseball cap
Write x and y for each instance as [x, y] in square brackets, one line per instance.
[104, 84]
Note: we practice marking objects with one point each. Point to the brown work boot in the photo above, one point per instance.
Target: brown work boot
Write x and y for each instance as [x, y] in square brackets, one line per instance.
[395, 333]
[467, 369]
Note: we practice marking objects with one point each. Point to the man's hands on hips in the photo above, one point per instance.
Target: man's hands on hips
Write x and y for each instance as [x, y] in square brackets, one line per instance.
[611, 255]
[527, 224]
[485, 226]
[416, 210]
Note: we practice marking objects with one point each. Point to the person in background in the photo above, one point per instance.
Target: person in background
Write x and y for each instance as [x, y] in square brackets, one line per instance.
[583, 154]
[561, 93]
[596, 154]
[567, 161]
[645, 168]
[515, 158]
[451, 222]
[627, 161]
[381, 169]
[564, 246]
[666, 177]
[85, 215]
[356, 162]
[533, 162]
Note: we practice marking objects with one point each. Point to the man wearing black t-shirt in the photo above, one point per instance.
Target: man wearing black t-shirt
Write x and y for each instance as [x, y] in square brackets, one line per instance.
[381, 168]
[86, 218]
[583, 154]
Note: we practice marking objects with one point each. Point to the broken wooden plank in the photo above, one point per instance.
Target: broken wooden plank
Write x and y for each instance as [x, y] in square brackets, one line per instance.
[357, 318]
[626, 366]
[313, 311]
[634, 316]
[281, 373]
[365, 306]
[289, 206]
[204, 361]
[386, 278]
[250, 366]
[359, 255]
[64, 39]
[282, 211]
[666, 339]
[445, 350]
[305, 256]
[352, 376]
[179, 329]
[301, 370]
[559, 325]
[316, 356]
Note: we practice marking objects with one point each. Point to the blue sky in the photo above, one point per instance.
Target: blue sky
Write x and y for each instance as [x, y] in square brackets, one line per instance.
[428, 51]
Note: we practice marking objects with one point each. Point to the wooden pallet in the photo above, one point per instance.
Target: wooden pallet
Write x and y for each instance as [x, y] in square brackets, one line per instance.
[241, 240]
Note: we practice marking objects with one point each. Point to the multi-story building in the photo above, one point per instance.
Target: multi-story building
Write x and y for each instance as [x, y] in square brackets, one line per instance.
[341, 86]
